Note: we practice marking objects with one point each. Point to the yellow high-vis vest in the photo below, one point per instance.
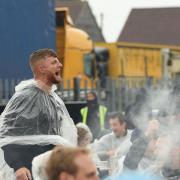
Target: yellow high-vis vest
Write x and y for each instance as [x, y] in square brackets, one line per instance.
[102, 115]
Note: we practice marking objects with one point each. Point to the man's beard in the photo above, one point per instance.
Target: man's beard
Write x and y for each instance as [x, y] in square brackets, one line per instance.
[54, 80]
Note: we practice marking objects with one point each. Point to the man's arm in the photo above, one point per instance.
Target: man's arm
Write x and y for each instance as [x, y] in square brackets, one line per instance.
[19, 157]
[139, 146]
[15, 158]
[103, 147]
[136, 153]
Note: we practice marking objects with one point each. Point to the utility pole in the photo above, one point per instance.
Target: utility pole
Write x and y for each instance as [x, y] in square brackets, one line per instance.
[165, 60]
[101, 22]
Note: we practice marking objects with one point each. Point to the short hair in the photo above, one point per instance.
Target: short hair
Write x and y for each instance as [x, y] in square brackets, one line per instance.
[117, 115]
[41, 54]
[62, 160]
[82, 131]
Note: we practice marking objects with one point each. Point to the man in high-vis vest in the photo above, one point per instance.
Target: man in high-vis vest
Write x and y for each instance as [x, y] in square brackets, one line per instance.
[94, 115]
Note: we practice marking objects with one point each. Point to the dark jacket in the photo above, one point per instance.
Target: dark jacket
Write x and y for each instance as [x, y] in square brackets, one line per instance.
[136, 153]
[18, 156]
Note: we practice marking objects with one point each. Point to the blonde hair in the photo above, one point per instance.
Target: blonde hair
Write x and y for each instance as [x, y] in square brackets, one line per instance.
[82, 131]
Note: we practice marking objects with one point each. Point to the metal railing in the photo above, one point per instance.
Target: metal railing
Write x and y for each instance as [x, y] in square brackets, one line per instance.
[116, 95]
[7, 89]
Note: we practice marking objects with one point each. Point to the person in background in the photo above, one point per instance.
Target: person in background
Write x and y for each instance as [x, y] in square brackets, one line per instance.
[94, 115]
[168, 153]
[141, 153]
[117, 142]
[138, 108]
[39, 163]
[84, 135]
[156, 151]
[85, 140]
[113, 146]
[71, 163]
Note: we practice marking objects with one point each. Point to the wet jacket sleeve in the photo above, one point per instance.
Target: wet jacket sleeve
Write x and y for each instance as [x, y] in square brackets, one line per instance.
[136, 153]
[103, 146]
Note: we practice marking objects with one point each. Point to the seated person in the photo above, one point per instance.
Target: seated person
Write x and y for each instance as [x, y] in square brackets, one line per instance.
[117, 142]
[84, 134]
[141, 152]
[156, 154]
[112, 146]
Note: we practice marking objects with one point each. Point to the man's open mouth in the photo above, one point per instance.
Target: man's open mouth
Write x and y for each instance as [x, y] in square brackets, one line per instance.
[57, 73]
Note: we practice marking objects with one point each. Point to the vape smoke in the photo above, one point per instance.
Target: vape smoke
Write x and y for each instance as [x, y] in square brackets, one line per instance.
[161, 103]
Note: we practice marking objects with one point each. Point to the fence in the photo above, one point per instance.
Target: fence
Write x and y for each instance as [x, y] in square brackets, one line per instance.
[116, 95]
[7, 89]
[120, 92]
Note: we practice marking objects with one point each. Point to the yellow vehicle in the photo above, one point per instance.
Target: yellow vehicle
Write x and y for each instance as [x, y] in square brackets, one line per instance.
[140, 60]
[74, 48]
[87, 61]
[77, 53]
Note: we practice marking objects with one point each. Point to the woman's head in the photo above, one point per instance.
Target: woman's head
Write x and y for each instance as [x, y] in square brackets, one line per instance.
[84, 134]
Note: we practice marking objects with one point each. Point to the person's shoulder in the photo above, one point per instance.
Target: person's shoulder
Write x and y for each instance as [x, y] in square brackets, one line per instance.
[84, 107]
[26, 93]
[107, 136]
[103, 106]
[129, 132]
[25, 96]
[57, 98]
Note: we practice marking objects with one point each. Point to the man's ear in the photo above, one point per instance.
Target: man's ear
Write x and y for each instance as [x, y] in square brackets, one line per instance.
[42, 68]
[65, 176]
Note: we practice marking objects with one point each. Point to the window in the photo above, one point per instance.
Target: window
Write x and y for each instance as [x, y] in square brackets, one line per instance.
[89, 65]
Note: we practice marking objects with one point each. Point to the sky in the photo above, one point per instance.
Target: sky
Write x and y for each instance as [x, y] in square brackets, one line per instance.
[115, 13]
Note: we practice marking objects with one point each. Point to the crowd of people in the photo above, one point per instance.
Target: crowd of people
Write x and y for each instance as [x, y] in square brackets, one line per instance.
[40, 141]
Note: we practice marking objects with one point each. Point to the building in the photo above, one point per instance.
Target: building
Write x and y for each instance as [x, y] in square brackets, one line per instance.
[146, 36]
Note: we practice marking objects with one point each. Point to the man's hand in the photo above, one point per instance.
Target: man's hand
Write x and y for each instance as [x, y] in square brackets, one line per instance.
[153, 127]
[23, 174]
[111, 153]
